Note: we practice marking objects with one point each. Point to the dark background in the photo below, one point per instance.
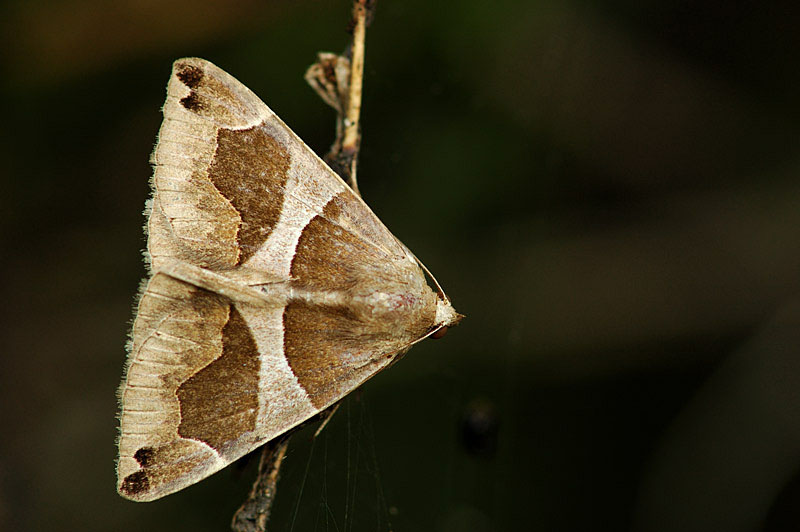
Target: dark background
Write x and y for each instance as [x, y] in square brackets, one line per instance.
[609, 190]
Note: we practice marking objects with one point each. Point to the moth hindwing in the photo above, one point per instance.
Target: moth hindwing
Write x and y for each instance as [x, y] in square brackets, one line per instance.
[273, 289]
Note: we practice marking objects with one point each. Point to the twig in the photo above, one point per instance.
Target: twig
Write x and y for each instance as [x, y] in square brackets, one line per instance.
[252, 516]
[352, 134]
[338, 79]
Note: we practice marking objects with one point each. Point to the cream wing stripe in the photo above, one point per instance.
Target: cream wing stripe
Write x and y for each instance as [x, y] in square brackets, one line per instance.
[282, 401]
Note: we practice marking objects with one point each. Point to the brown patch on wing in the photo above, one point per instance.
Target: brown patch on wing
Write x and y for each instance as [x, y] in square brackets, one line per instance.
[329, 349]
[250, 170]
[220, 402]
[331, 256]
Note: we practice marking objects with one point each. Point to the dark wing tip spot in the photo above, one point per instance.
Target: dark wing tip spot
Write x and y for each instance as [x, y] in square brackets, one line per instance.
[135, 483]
[190, 75]
[145, 456]
[192, 102]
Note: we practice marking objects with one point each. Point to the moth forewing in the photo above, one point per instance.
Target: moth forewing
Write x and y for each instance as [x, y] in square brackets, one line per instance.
[274, 289]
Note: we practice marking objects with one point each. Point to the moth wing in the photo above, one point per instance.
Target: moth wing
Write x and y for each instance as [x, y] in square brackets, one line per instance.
[190, 218]
[192, 398]
[233, 186]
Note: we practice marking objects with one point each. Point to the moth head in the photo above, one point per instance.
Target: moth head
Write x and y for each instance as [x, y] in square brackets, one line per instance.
[446, 316]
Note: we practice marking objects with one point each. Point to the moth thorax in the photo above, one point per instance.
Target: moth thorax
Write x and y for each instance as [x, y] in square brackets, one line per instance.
[383, 303]
[446, 315]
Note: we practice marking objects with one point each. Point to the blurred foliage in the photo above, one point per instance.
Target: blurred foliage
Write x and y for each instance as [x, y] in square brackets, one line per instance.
[609, 190]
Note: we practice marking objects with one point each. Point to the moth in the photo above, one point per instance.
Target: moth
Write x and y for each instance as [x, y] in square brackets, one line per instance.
[273, 289]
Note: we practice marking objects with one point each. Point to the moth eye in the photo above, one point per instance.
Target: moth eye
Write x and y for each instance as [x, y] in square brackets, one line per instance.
[441, 332]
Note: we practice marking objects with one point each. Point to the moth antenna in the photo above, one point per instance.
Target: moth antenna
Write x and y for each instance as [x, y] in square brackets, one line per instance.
[438, 286]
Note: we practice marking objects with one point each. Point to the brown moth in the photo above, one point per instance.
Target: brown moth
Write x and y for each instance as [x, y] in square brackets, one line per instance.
[273, 291]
